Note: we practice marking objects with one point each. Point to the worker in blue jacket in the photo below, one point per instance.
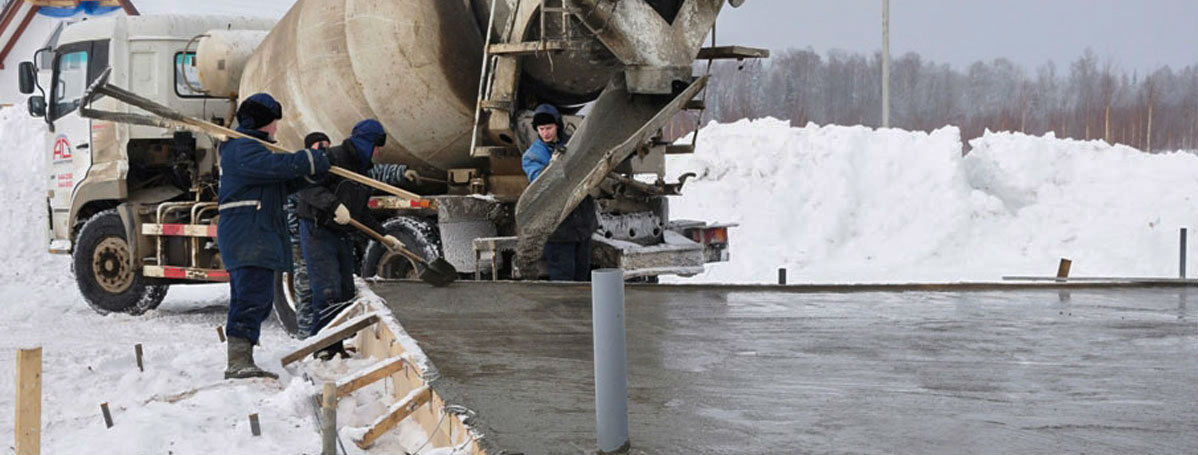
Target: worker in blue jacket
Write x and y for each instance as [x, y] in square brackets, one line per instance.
[568, 251]
[324, 212]
[252, 232]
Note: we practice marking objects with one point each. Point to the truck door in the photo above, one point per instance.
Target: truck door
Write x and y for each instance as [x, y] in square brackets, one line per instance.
[69, 143]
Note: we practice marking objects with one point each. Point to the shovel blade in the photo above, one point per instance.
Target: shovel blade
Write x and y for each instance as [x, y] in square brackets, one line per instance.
[439, 273]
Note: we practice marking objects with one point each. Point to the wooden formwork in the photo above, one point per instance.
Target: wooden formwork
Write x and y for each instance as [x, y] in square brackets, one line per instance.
[377, 335]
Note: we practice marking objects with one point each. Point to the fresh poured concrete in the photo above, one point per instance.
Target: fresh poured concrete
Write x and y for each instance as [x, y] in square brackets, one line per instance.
[737, 371]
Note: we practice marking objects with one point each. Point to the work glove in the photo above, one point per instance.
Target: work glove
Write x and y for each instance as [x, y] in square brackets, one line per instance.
[411, 175]
[392, 243]
[341, 214]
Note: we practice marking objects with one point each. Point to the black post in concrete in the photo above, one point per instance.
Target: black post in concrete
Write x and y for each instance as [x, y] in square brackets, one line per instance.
[611, 360]
[1181, 266]
[782, 276]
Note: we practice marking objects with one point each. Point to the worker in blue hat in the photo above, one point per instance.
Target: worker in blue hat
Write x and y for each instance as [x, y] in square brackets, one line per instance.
[252, 231]
[325, 211]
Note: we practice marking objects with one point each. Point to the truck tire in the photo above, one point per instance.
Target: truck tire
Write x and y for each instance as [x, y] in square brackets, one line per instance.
[421, 237]
[285, 304]
[101, 266]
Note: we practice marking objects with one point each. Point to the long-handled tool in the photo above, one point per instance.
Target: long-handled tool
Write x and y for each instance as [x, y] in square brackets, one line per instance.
[165, 117]
[438, 273]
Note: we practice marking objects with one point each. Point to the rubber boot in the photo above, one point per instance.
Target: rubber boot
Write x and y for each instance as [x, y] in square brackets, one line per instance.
[241, 361]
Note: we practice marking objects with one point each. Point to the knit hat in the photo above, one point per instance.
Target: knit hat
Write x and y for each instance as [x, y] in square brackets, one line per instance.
[546, 114]
[314, 137]
[258, 111]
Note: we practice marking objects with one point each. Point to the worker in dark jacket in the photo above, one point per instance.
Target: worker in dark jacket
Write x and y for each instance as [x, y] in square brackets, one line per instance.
[324, 211]
[299, 270]
[568, 251]
[252, 232]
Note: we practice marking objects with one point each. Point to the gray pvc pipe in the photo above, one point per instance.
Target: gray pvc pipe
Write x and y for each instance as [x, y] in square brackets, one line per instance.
[611, 360]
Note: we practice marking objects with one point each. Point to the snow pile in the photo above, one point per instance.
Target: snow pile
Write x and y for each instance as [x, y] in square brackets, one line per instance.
[853, 204]
[23, 211]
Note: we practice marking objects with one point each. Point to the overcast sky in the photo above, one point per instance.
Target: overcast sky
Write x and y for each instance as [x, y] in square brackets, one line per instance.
[1133, 34]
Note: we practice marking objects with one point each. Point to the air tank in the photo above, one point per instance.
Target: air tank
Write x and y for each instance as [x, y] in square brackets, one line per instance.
[221, 56]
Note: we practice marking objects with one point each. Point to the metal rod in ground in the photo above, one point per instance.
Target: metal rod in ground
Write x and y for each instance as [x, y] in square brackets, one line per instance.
[29, 402]
[782, 276]
[137, 350]
[220, 332]
[254, 428]
[1181, 266]
[328, 420]
[107, 415]
[1063, 269]
[611, 360]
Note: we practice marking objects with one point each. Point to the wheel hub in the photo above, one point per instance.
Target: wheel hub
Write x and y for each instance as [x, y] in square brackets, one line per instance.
[110, 265]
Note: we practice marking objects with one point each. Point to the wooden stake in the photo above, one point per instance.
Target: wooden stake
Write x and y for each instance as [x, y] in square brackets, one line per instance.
[328, 420]
[254, 428]
[220, 332]
[137, 350]
[1063, 269]
[29, 402]
[107, 415]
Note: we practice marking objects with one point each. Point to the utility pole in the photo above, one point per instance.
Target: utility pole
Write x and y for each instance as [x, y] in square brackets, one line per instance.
[885, 63]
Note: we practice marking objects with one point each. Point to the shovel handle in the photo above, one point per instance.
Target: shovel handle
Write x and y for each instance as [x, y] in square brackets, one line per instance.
[383, 241]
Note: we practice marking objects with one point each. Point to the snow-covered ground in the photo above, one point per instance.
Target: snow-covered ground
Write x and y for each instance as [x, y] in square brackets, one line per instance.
[181, 404]
[854, 204]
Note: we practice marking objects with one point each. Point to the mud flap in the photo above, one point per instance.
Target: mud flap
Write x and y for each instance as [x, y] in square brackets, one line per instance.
[618, 122]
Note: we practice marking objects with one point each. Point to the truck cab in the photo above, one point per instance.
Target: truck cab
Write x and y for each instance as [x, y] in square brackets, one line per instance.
[104, 175]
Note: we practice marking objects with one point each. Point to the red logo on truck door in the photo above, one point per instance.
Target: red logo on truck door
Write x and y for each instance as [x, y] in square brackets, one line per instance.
[62, 149]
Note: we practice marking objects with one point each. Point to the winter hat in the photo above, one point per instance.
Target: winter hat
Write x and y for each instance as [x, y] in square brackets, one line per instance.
[314, 137]
[366, 135]
[258, 111]
[546, 114]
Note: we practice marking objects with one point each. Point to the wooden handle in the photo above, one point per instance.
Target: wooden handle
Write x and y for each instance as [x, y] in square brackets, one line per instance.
[383, 241]
[228, 133]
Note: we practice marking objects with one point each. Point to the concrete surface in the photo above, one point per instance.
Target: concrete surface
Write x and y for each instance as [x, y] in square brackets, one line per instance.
[716, 371]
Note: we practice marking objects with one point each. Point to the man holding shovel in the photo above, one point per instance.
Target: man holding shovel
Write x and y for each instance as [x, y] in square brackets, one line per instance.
[325, 212]
[251, 233]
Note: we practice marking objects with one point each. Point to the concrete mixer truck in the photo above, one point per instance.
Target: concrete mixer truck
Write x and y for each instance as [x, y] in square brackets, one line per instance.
[453, 82]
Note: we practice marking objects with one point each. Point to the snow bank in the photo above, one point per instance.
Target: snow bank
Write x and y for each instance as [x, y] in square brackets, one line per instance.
[181, 403]
[853, 204]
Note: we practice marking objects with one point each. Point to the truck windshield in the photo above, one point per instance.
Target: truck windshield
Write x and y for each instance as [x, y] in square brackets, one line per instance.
[71, 83]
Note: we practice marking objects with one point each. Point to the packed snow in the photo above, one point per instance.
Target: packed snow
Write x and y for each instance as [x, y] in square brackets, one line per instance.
[855, 204]
[181, 403]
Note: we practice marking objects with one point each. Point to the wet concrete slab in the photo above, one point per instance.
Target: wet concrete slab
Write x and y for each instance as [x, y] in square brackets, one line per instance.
[719, 371]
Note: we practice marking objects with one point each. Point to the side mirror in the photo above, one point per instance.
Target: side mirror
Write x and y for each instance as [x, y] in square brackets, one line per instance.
[27, 76]
[37, 106]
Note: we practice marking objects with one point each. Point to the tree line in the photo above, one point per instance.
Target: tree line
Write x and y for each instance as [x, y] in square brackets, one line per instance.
[1088, 99]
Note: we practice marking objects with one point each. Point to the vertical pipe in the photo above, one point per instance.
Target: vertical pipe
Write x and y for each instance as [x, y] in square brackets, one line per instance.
[611, 360]
[254, 428]
[885, 63]
[137, 351]
[782, 276]
[1181, 266]
[328, 420]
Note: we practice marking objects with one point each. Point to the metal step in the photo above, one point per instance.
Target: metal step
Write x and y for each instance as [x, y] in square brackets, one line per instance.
[731, 52]
[525, 48]
[695, 105]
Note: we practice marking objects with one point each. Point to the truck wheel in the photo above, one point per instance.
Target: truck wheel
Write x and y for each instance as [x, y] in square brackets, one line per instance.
[420, 236]
[102, 272]
[285, 303]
